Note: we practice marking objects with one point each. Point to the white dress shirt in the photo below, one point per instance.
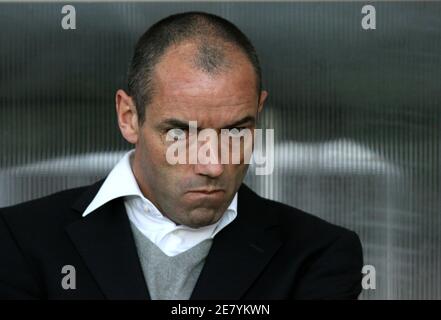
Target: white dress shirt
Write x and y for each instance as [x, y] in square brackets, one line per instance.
[163, 232]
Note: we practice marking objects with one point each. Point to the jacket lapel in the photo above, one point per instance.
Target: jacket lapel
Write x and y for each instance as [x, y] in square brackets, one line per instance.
[105, 242]
[240, 251]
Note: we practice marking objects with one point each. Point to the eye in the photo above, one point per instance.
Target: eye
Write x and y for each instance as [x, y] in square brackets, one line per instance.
[176, 134]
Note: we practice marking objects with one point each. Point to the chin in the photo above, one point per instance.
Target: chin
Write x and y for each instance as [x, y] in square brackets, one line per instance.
[203, 217]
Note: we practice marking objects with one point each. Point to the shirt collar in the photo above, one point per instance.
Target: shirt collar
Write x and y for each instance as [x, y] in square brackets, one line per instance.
[119, 183]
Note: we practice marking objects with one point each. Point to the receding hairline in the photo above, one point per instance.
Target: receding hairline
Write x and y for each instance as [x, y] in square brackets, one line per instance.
[233, 58]
[224, 56]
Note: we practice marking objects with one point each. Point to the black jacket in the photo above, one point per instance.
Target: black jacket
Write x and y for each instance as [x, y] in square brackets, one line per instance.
[270, 251]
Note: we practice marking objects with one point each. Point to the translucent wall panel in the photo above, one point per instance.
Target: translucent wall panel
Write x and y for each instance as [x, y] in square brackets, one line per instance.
[356, 114]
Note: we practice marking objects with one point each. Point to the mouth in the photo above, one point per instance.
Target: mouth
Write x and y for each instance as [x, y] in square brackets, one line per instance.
[206, 191]
[212, 194]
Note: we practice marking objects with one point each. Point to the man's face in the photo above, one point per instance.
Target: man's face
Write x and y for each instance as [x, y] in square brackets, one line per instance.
[181, 94]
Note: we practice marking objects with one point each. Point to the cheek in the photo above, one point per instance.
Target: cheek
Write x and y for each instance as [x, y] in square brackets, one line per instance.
[154, 152]
[153, 148]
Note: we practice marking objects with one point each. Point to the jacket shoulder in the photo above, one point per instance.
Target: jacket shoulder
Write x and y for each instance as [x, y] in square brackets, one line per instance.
[45, 209]
[303, 227]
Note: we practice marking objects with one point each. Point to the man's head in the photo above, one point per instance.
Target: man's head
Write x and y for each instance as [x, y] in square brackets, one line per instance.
[189, 67]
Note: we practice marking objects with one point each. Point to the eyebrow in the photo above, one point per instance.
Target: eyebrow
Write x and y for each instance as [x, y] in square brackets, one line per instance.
[176, 123]
[242, 121]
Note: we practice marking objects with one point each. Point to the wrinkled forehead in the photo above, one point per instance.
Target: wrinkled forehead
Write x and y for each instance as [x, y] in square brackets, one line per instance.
[207, 114]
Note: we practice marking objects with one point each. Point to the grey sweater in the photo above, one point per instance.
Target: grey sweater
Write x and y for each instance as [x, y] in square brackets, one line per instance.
[167, 277]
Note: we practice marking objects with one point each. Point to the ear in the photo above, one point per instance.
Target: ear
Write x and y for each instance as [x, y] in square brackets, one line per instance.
[127, 116]
[262, 98]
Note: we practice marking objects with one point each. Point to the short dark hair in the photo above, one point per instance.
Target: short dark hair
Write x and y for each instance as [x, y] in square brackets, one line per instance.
[209, 31]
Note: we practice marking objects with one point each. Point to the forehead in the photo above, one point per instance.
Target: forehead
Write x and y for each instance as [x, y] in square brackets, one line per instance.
[183, 91]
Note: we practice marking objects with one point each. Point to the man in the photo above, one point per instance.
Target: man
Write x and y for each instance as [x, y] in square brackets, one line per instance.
[158, 230]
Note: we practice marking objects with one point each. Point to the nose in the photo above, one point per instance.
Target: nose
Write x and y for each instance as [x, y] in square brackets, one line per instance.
[210, 170]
